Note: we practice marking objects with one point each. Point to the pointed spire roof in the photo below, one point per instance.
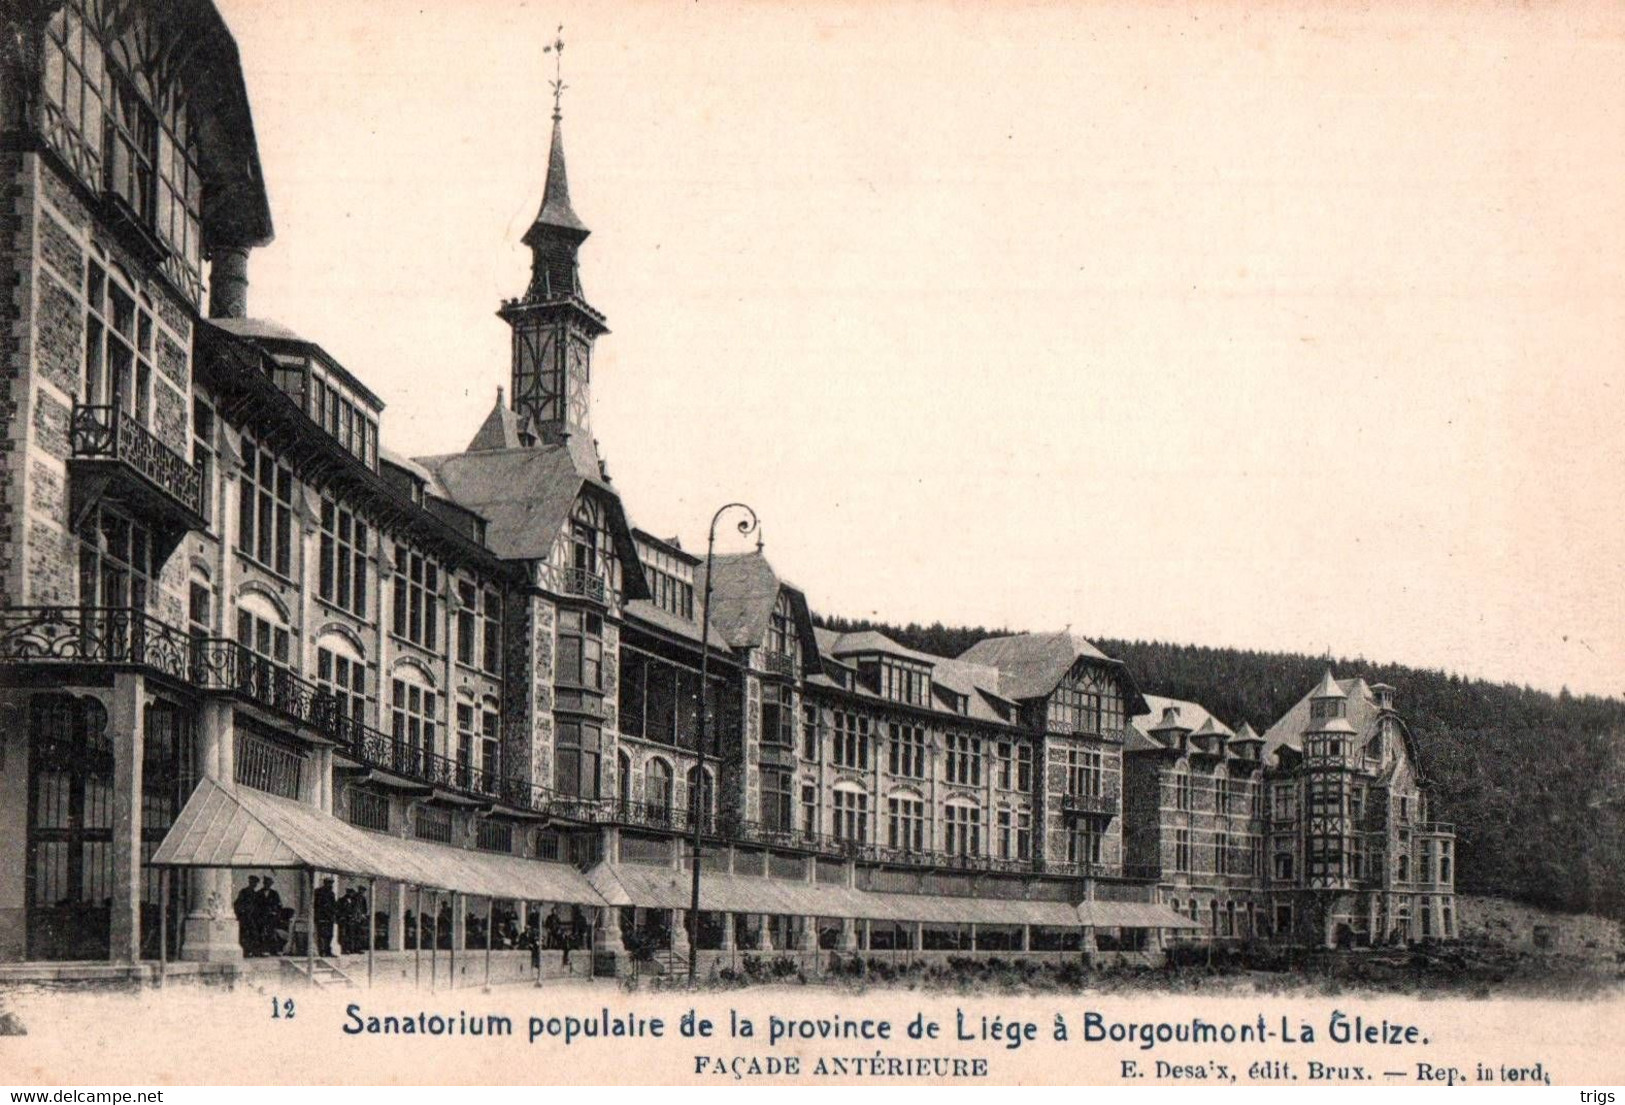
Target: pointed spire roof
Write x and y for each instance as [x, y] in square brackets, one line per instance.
[1328, 687]
[502, 429]
[556, 212]
[1246, 734]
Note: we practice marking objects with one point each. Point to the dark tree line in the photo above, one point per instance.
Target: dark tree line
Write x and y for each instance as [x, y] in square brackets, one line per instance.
[1534, 782]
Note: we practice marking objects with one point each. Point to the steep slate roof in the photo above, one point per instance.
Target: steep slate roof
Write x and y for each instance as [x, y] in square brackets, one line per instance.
[1031, 664]
[744, 588]
[1190, 715]
[500, 430]
[556, 210]
[1288, 731]
[525, 496]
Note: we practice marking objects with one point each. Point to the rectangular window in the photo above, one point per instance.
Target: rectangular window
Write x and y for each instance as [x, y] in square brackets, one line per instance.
[368, 810]
[432, 823]
[907, 751]
[1083, 843]
[962, 826]
[491, 632]
[778, 808]
[345, 544]
[852, 816]
[468, 617]
[809, 810]
[417, 598]
[1182, 850]
[1084, 775]
[203, 452]
[1221, 854]
[576, 771]
[580, 659]
[346, 680]
[1182, 794]
[905, 824]
[265, 509]
[850, 744]
[414, 717]
[963, 762]
[130, 150]
[1024, 834]
[809, 732]
[1004, 842]
[778, 717]
[1024, 769]
[1005, 755]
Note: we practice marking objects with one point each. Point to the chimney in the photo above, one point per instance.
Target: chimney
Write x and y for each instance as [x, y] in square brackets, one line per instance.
[228, 282]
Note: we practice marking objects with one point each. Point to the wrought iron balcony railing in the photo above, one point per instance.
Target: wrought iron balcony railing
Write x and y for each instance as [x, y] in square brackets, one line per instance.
[779, 663]
[104, 432]
[93, 635]
[1089, 805]
[587, 584]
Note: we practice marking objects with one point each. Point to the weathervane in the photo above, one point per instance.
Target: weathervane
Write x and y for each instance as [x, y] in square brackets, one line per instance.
[557, 50]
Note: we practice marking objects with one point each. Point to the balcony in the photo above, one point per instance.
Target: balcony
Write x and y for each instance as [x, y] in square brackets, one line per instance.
[115, 457]
[584, 584]
[1436, 828]
[1089, 805]
[113, 636]
[781, 664]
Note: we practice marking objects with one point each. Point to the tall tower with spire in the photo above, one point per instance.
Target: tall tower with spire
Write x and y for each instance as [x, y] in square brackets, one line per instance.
[554, 326]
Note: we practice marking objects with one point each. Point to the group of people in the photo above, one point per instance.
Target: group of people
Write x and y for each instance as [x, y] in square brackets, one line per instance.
[263, 922]
[265, 925]
[345, 916]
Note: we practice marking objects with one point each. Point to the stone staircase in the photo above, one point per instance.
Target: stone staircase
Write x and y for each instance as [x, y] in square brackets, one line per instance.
[323, 974]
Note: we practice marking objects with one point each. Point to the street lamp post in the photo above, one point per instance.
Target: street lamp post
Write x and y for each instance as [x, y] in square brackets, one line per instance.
[697, 793]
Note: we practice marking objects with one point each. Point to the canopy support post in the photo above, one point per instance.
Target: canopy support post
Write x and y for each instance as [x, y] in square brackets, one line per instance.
[455, 906]
[372, 926]
[417, 943]
[434, 941]
[490, 937]
[163, 923]
[310, 924]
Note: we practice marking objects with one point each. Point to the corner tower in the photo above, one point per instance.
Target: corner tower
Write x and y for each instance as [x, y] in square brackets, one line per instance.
[554, 326]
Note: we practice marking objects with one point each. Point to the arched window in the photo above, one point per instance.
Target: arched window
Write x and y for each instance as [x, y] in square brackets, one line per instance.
[657, 789]
[1213, 916]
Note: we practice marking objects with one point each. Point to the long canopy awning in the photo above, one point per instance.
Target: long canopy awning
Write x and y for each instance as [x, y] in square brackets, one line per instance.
[243, 827]
[624, 884]
[1132, 915]
[249, 828]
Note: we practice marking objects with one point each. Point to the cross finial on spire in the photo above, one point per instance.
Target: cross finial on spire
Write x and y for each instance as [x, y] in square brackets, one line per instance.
[557, 50]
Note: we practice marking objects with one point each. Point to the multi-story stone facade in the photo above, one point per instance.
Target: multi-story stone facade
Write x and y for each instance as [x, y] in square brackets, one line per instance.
[242, 638]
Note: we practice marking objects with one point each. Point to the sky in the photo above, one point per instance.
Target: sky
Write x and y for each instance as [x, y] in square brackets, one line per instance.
[1271, 326]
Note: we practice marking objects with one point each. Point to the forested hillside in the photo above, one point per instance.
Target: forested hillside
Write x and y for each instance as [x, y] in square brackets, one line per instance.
[1534, 782]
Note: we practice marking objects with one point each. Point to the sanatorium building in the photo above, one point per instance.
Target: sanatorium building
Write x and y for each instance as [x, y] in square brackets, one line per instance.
[239, 637]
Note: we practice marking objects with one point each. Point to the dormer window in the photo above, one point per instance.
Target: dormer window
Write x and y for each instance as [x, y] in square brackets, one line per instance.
[781, 627]
[1323, 709]
[905, 682]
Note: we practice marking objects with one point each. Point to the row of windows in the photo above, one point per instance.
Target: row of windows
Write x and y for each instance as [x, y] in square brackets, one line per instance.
[1090, 704]
[107, 122]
